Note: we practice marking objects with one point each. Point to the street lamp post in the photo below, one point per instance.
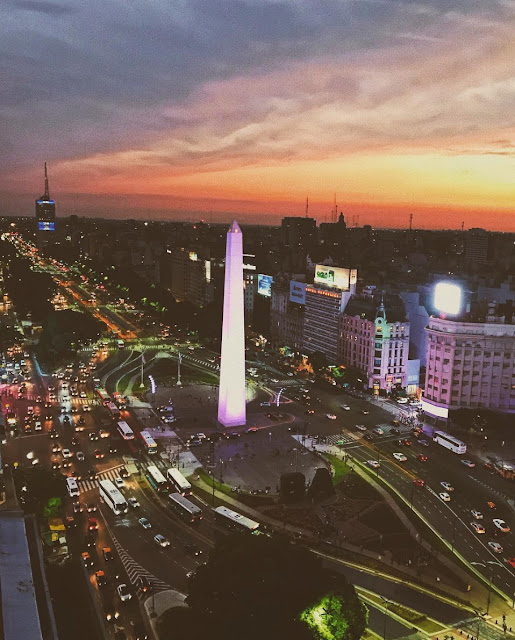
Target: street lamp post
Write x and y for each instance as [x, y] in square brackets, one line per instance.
[491, 563]
[386, 604]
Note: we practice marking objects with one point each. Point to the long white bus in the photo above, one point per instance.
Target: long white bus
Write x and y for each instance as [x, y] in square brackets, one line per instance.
[73, 487]
[156, 479]
[148, 442]
[112, 497]
[178, 482]
[186, 509]
[125, 431]
[235, 520]
[449, 442]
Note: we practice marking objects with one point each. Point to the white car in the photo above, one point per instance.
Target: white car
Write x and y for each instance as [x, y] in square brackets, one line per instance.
[66, 453]
[402, 400]
[361, 427]
[86, 408]
[80, 456]
[331, 416]
[83, 394]
[133, 502]
[495, 546]
[477, 514]
[161, 540]
[379, 431]
[345, 407]
[468, 463]
[119, 482]
[478, 528]
[501, 525]
[447, 486]
[145, 523]
[445, 497]
[373, 463]
[400, 457]
[123, 592]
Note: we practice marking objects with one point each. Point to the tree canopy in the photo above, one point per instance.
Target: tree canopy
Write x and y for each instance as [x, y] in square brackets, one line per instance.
[265, 587]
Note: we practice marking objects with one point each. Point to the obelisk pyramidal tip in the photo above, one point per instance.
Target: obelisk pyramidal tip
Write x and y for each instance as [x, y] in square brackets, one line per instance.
[231, 397]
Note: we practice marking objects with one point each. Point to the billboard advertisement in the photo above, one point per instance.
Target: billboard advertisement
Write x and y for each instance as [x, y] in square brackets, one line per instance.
[332, 277]
[265, 285]
[297, 292]
[45, 225]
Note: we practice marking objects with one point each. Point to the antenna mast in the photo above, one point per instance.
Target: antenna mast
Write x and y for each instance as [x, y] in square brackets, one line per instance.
[47, 193]
[307, 206]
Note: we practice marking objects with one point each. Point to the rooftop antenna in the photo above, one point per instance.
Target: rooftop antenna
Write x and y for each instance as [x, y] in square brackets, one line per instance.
[47, 193]
[307, 206]
[334, 215]
[410, 221]
[463, 225]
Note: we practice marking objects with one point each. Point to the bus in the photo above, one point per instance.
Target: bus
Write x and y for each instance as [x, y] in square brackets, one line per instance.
[120, 344]
[186, 509]
[156, 479]
[119, 400]
[112, 497]
[148, 442]
[235, 520]
[178, 482]
[125, 431]
[449, 442]
[73, 487]
[113, 410]
[103, 395]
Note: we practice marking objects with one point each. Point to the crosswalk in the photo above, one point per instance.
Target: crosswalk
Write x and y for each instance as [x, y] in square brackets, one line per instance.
[90, 484]
[342, 439]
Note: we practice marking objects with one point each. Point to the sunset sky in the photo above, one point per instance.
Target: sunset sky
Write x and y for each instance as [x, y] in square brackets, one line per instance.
[186, 109]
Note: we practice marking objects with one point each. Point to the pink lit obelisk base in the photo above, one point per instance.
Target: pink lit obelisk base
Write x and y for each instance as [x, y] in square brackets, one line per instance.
[231, 396]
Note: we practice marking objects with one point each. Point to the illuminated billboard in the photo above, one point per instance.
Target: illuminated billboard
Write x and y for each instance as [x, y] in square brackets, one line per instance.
[265, 285]
[297, 292]
[447, 298]
[332, 277]
[46, 225]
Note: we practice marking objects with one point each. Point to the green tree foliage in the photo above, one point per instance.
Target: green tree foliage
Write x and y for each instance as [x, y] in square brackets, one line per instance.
[318, 361]
[64, 332]
[258, 587]
[44, 491]
[30, 291]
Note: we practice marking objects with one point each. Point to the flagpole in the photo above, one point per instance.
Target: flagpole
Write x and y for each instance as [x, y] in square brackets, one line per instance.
[142, 363]
[179, 360]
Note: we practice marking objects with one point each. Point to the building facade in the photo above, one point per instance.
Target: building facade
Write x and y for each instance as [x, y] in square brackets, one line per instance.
[286, 316]
[469, 364]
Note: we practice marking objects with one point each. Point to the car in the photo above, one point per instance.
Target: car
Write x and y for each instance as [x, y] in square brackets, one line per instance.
[77, 508]
[368, 436]
[83, 394]
[421, 457]
[119, 482]
[373, 463]
[491, 505]
[90, 539]
[192, 550]
[400, 457]
[190, 574]
[379, 431]
[111, 614]
[264, 404]
[66, 464]
[66, 453]
[74, 410]
[133, 502]
[123, 592]
[161, 540]
[143, 584]
[107, 554]
[56, 464]
[80, 456]
[100, 577]
[87, 559]
[478, 528]
[144, 523]
[445, 496]
[330, 416]
[81, 421]
[86, 408]
[92, 524]
[447, 486]
[424, 443]
[103, 433]
[419, 482]
[91, 507]
[93, 435]
[365, 412]
[361, 427]
[395, 431]
[66, 420]
[495, 546]
[345, 407]
[468, 463]
[402, 400]
[112, 448]
[75, 443]
[501, 525]
[252, 430]
[92, 474]
[139, 631]
[123, 473]
[477, 514]
[71, 523]
[511, 561]
[309, 412]
[98, 454]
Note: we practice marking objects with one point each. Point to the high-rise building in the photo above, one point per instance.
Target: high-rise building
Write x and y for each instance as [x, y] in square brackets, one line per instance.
[45, 217]
[299, 233]
[231, 397]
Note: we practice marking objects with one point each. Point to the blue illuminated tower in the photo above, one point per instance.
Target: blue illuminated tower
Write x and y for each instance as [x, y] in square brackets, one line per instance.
[45, 216]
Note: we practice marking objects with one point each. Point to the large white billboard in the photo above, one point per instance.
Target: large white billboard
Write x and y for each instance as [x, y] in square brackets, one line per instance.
[297, 292]
[332, 277]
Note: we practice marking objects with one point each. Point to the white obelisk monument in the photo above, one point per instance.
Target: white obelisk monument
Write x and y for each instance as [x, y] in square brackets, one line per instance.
[231, 396]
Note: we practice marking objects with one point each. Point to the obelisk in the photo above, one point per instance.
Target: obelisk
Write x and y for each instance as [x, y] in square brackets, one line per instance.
[231, 395]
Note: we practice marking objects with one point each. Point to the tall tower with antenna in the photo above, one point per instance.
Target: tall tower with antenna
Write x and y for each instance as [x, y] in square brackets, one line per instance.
[45, 216]
[334, 212]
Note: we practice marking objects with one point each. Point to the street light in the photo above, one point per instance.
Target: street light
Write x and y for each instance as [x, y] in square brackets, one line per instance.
[387, 603]
[491, 563]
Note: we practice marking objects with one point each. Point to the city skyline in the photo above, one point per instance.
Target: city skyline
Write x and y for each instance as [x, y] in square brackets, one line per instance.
[211, 110]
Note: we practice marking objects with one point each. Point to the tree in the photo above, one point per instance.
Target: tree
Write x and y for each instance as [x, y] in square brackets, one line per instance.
[267, 587]
[318, 361]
